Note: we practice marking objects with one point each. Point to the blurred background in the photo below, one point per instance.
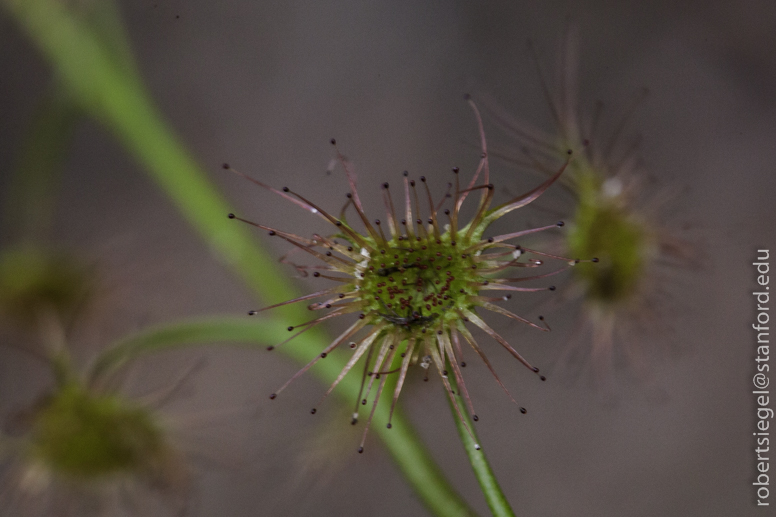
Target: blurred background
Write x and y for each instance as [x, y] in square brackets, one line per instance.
[265, 85]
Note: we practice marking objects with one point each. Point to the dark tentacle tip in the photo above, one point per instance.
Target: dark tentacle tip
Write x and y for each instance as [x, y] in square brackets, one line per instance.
[360, 450]
[523, 410]
[230, 216]
[455, 170]
[551, 288]
[354, 421]
[313, 411]
[290, 328]
[225, 166]
[543, 378]
[594, 259]
[251, 313]
[569, 152]
[535, 369]
[560, 224]
[389, 425]
[475, 418]
[477, 446]
[406, 173]
[385, 185]
[272, 397]
[333, 141]
[285, 189]
[467, 96]
[323, 355]
[270, 348]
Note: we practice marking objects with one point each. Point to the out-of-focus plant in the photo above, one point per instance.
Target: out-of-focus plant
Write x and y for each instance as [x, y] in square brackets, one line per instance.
[614, 219]
[83, 446]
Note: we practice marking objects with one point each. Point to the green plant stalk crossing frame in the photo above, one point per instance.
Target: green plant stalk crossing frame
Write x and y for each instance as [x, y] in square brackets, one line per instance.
[107, 88]
[497, 501]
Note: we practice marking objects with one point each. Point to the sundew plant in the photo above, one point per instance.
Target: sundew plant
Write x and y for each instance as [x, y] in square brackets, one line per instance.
[414, 286]
[616, 215]
[83, 445]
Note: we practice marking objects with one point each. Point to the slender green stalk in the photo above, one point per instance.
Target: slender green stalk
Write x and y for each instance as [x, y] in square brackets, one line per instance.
[110, 93]
[496, 499]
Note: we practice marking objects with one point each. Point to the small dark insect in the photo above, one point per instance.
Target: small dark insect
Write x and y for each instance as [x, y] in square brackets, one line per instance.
[413, 318]
[385, 271]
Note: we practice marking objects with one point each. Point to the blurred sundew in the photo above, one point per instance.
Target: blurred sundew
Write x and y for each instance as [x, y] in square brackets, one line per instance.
[618, 216]
[82, 444]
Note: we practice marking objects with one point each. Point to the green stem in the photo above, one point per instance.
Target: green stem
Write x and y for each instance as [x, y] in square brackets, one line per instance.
[496, 499]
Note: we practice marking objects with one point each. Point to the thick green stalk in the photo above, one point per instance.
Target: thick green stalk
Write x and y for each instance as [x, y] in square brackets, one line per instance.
[104, 88]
